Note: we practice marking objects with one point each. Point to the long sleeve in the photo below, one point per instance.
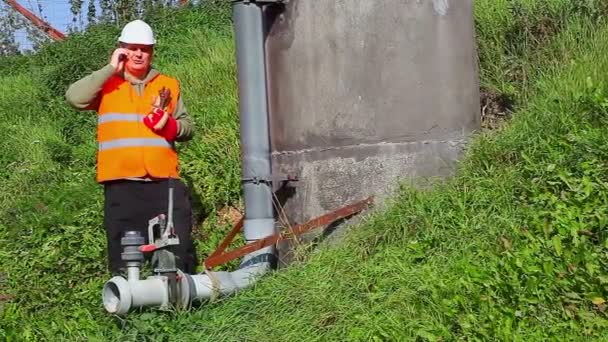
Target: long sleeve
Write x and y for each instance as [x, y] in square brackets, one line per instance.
[84, 93]
[185, 125]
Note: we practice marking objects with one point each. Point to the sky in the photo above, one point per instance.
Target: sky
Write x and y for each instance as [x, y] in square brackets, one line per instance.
[55, 12]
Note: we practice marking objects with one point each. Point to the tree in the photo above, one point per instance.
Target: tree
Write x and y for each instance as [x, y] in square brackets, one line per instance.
[9, 25]
[116, 11]
[76, 9]
[37, 37]
[91, 13]
[13, 22]
[111, 11]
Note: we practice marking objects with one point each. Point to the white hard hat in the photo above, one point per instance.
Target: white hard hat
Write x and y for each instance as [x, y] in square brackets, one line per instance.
[137, 32]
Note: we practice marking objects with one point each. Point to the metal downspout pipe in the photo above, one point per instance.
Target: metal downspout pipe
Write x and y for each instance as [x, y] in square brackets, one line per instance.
[121, 295]
[253, 107]
[255, 147]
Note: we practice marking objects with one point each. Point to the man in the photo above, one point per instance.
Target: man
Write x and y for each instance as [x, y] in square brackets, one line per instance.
[136, 159]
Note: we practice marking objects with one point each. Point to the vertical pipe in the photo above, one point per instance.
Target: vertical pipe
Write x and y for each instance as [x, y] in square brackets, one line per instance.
[133, 271]
[253, 110]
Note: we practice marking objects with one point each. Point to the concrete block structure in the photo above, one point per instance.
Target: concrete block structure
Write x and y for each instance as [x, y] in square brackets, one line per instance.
[364, 94]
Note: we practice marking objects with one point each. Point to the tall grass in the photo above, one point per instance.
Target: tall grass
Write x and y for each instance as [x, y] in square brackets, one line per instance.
[512, 248]
[512, 36]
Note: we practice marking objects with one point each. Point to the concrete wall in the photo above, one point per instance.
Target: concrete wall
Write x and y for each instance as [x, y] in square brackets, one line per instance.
[363, 93]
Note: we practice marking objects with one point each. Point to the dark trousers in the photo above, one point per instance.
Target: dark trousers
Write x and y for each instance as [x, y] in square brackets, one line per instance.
[129, 205]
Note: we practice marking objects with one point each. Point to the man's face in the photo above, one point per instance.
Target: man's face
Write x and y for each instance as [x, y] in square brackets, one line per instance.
[140, 58]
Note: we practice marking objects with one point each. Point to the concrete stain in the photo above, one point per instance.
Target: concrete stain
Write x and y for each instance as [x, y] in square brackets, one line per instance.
[441, 6]
[280, 22]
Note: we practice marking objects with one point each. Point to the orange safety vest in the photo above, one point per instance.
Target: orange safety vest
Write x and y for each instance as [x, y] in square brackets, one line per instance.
[127, 148]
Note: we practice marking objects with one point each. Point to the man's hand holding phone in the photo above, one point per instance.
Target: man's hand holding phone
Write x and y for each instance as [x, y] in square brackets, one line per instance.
[119, 57]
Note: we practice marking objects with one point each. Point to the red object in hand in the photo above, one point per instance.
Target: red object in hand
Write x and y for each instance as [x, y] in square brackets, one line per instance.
[153, 118]
[169, 131]
[147, 248]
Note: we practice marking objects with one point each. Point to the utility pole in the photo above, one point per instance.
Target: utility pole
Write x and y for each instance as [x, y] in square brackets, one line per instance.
[36, 21]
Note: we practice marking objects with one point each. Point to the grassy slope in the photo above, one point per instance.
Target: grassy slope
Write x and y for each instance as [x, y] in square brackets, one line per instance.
[495, 252]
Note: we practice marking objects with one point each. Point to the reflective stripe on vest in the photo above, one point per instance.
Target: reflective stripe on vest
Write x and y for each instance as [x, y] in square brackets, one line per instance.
[114, 117]
[134, 142]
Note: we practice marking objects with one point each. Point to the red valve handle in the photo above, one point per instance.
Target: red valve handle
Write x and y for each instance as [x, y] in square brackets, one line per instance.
[147, 248]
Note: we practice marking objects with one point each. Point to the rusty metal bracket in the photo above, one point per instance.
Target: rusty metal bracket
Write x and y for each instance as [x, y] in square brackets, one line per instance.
[228, 239]
[219, 256]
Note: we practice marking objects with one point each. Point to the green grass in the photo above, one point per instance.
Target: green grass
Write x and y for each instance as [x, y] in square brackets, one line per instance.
[512, 248]
[512, 36]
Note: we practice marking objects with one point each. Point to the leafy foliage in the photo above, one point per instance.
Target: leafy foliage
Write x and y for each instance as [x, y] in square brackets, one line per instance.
[118, 11]
[9, 23]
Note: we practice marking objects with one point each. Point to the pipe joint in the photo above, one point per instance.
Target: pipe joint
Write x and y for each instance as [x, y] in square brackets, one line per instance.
[131, 242]
[120, 295]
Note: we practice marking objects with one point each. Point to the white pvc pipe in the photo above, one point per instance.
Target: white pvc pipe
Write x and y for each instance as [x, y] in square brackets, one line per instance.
[120, 295]
[152, 291]
[133, 273]
[212, 284]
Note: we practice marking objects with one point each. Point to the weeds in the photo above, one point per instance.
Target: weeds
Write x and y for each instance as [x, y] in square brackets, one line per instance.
[515, 34]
